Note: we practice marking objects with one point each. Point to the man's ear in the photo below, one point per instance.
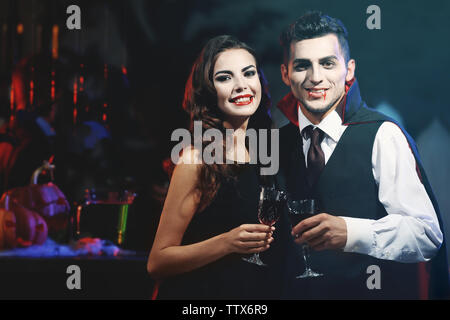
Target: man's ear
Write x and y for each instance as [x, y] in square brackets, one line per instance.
[351, 66]
[285, 75]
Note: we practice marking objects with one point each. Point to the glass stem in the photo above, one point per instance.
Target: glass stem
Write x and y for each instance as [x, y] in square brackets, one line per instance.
[305, 255]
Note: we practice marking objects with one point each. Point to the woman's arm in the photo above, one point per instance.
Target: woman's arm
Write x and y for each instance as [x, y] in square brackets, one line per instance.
[167, 257]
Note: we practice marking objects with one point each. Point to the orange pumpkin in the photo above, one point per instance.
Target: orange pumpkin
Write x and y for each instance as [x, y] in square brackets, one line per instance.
[45, 199]
[20, 226]
[7, 229]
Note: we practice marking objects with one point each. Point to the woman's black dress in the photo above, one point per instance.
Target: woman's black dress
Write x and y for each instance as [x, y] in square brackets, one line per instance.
[230, 277]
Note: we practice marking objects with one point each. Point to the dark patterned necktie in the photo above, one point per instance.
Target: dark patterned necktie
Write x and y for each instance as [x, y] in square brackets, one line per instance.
[316, 158]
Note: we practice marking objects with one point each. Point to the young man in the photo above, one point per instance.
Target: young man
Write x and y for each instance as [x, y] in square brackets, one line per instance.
[377, 208]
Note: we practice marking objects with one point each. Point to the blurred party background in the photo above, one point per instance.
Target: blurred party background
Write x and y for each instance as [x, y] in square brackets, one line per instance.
[101, 102]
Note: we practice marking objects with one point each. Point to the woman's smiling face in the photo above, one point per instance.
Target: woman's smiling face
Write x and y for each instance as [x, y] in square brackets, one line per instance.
[237, 83]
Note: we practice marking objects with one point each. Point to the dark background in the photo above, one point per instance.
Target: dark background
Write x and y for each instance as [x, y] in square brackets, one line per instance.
[403, 69]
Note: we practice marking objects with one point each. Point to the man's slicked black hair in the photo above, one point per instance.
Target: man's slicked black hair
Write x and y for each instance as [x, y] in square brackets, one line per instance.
[314, 24]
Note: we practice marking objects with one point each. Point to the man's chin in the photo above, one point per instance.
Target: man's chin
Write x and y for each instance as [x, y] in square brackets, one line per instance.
[317, 109]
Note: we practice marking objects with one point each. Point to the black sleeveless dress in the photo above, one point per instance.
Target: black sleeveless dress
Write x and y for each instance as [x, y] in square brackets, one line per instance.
[230, 277]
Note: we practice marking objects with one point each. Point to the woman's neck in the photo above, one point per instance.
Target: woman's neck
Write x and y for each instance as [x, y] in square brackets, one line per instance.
[236, 149]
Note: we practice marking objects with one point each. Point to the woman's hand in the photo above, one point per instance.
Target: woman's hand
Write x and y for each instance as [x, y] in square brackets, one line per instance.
[249, 238]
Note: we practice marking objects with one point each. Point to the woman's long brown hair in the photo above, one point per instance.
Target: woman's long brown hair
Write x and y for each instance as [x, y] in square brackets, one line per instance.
[200, 101]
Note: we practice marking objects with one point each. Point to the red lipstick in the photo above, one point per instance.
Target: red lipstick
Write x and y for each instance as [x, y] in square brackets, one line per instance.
[242, 100]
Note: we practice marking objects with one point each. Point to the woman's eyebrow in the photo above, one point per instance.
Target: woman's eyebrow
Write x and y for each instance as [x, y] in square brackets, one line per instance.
[231, 73]
[248, 67]
[223, 71]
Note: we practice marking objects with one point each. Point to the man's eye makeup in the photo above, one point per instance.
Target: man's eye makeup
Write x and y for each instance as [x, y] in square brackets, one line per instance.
[328, 64]
[301, 66]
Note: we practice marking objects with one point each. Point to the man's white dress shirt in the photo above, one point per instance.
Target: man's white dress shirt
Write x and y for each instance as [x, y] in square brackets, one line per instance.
[410, 232]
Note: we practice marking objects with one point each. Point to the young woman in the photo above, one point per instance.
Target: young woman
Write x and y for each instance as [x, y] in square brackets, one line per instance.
[209, 219]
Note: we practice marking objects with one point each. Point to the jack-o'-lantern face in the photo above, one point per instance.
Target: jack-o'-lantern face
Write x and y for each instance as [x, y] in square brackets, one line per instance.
[7, 229]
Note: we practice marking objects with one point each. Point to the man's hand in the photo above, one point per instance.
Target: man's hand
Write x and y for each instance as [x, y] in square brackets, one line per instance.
[321, 232]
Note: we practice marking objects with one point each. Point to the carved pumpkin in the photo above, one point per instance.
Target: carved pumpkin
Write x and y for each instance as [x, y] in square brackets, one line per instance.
[45, 199]
[20, 226]
[7, 229]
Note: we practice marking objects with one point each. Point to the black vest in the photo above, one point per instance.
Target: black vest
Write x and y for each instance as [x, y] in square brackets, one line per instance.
[346, 187]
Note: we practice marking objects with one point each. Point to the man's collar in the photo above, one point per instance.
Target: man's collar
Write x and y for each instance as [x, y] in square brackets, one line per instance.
[330, 124]
[352, 102]
[302, 120]
[348, 106]
[289, 107]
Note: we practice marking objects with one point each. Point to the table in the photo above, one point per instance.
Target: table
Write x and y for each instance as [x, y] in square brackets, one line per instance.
[100, 277]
